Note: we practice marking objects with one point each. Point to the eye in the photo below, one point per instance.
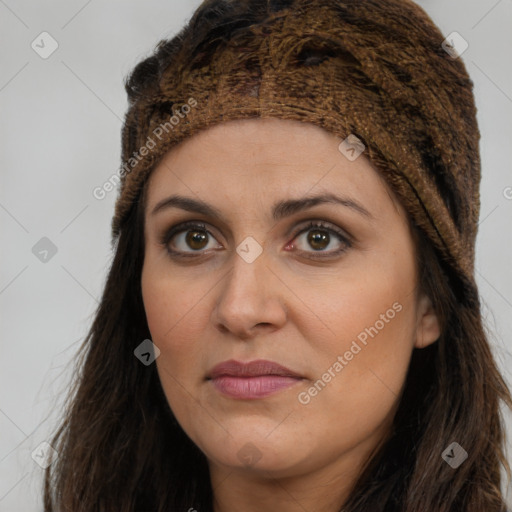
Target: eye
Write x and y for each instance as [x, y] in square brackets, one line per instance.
[320, 237]
[190, 235]
[191, 239]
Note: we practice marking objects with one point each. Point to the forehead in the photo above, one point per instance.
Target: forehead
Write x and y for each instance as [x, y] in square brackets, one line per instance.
[264, 160]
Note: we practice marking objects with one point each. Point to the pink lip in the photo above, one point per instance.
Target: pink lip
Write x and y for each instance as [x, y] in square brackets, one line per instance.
[252, 380]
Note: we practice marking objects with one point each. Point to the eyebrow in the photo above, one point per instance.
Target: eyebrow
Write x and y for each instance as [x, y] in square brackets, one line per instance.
[280, 210]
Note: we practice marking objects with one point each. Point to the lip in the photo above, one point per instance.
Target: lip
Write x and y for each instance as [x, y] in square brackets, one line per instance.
[251, 380]
[256, 368]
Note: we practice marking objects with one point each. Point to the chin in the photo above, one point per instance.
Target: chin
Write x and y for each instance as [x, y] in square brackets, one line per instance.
[255, 449]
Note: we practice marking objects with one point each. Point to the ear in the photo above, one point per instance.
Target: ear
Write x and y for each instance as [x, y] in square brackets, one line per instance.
[428, 329]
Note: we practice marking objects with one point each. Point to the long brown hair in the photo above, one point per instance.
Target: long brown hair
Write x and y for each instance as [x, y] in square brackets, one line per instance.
[121, 449]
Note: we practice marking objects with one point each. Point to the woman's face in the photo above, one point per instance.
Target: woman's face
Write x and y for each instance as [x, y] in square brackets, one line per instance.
[336, 303]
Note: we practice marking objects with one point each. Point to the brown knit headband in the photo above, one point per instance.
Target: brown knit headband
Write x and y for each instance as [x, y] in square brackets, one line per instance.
[372, 68]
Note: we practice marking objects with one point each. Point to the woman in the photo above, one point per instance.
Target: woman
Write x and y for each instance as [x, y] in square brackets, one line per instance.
[291, 320]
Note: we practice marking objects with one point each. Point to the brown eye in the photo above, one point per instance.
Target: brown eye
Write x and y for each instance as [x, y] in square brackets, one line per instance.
[189, 239]
[321, 237]
[318, 240]
[196, 239]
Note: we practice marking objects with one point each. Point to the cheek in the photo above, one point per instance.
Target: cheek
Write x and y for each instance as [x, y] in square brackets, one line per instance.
[176, 317]
[368, 340]
[371, 305]
[176, 322]
[363, 359]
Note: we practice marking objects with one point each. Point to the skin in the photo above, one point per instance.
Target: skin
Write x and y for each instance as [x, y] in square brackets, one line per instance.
[284, 306]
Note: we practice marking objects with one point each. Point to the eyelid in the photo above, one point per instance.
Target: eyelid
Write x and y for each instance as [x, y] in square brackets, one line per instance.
[176, 229]
[321, 224]
[345, 239]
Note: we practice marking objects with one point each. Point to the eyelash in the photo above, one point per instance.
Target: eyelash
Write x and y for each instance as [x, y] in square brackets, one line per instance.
[192, 225]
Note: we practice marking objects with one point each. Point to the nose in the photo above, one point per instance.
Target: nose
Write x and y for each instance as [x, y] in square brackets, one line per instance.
[250, 299]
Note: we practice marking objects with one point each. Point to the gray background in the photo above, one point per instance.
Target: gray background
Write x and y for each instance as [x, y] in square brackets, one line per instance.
[60, 138]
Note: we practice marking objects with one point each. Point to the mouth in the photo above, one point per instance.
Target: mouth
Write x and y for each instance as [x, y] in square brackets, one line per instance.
[252, 380]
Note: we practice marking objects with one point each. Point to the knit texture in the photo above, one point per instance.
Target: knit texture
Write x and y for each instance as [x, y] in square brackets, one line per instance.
[372, 68]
